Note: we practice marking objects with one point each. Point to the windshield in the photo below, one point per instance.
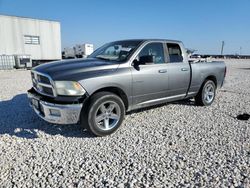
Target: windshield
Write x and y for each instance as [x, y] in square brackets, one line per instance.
[116, 51]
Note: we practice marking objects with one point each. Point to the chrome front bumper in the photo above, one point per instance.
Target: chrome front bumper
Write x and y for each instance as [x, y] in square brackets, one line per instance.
[55, 113]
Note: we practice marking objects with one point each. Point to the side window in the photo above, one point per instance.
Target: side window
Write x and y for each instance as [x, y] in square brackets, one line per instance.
[155, 50]
[175, 54]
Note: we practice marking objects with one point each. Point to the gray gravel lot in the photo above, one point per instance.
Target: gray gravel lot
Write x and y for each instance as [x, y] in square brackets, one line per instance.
[177, 144]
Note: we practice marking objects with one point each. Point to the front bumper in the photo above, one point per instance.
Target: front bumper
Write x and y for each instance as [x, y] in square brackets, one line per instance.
[55, 113]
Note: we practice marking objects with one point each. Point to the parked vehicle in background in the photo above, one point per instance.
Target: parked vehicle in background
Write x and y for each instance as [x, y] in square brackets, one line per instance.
[68, 53]
[83, 50]
[119, 77]
[78, 51]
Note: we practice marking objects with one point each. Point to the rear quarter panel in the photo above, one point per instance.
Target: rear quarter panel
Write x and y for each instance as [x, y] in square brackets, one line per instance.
[202, 70]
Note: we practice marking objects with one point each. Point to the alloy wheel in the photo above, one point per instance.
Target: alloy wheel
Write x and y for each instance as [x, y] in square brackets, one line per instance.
[107, 115]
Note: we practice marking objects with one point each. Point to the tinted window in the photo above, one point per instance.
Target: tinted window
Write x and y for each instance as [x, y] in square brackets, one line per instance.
[175, 54]
[155, 50]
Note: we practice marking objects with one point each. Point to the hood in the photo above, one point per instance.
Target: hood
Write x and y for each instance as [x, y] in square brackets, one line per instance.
[76, 69]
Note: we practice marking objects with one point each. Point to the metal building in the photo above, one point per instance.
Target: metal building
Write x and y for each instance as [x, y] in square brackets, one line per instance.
[39, 39]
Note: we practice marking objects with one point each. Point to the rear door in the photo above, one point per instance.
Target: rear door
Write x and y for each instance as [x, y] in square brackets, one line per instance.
[179, 71]
[150, 81]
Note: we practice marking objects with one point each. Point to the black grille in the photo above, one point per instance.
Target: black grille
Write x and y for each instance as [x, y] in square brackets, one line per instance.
[47, 90]
[42, 83]
[43, 79]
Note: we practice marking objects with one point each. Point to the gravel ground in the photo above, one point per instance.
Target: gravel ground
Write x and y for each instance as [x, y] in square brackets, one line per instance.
[175, 145]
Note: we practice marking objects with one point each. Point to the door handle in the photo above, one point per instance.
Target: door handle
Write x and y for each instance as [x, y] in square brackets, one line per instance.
[162, 71]
[184, 69]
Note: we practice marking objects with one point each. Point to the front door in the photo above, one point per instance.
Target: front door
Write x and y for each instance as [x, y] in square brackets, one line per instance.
[150, 81]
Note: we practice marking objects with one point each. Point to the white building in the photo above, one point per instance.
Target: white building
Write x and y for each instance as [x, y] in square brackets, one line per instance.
[41, 39]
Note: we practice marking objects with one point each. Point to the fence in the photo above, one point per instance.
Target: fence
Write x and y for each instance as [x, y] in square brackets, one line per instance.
[7, 62]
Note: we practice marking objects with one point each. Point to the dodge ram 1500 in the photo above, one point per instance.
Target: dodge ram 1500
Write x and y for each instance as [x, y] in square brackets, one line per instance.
[118, 77]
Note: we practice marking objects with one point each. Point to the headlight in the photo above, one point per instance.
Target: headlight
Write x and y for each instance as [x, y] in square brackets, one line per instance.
[70, 88]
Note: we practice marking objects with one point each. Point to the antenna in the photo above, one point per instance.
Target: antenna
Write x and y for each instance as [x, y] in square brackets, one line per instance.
[222, 47]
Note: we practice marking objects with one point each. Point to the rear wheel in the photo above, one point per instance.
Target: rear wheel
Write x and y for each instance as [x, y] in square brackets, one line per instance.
[206, 95]
[104, 115]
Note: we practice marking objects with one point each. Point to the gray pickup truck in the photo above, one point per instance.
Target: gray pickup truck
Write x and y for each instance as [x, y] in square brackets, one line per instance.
[118, 77]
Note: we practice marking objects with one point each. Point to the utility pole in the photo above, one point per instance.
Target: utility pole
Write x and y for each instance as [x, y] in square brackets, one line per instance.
[240, 50]
[222, 47]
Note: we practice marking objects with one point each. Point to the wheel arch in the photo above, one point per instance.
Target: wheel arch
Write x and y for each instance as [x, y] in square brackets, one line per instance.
[212, 78]
[116, 90]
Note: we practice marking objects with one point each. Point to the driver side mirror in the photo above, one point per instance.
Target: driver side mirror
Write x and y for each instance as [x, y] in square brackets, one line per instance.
[144, 60]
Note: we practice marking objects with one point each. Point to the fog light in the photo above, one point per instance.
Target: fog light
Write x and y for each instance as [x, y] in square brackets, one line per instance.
[54, 112]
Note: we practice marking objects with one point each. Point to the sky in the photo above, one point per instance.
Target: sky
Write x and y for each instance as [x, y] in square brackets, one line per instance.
[201, 25]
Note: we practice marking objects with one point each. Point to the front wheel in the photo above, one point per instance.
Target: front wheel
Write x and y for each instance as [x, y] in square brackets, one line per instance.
[104, 114]
[206, 95]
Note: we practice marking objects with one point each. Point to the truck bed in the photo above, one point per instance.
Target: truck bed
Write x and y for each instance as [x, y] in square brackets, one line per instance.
[202, 70]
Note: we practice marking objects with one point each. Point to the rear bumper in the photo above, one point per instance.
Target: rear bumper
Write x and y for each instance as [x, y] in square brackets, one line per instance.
[55, 113]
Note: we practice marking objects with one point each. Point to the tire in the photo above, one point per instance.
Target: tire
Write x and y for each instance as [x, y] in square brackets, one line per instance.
[104, 114]
[207, 93]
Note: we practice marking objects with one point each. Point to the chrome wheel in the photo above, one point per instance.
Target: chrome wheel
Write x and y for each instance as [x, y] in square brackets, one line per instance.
[107, 115]
[209, 92]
